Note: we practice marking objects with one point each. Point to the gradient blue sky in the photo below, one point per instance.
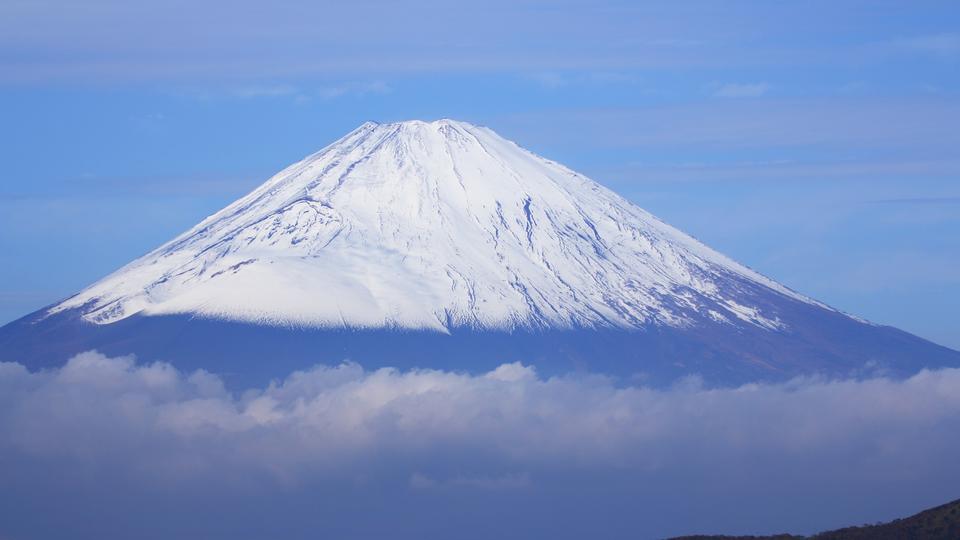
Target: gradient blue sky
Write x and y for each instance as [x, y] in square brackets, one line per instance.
[814, 141]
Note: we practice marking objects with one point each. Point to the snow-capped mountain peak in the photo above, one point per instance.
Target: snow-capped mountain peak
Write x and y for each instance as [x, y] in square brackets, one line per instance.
[433, 225]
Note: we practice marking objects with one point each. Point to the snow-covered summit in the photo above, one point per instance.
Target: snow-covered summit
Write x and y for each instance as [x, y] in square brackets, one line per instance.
[433, 225]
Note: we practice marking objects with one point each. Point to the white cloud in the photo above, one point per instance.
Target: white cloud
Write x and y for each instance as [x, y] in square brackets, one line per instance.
[465, 442]
[741, 90]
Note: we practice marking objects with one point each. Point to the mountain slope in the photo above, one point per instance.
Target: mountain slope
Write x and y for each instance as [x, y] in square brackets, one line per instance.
[446, 229]
[939, 523]
[431, 225]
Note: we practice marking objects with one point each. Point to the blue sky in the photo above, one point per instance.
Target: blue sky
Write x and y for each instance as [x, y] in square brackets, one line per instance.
[814, 141]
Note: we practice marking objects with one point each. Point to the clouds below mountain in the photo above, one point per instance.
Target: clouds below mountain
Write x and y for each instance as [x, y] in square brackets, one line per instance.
[118, 448]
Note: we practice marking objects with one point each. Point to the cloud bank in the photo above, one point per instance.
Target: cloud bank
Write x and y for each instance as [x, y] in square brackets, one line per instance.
[115, 448]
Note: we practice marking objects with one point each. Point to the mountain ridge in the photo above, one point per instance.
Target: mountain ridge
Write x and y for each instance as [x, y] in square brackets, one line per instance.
[938, 523]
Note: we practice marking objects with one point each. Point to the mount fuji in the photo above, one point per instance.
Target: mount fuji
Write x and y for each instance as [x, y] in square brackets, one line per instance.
[443, 245]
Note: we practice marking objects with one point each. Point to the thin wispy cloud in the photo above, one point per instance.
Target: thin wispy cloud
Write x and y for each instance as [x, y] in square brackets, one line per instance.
[552, 80]
[945, 44]
[322, 91]
[120, 42]
[353, 88]
[759, 124]
[791, 170]
[547, 79]
[923, 201]
[741, 90]
[260, 91]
